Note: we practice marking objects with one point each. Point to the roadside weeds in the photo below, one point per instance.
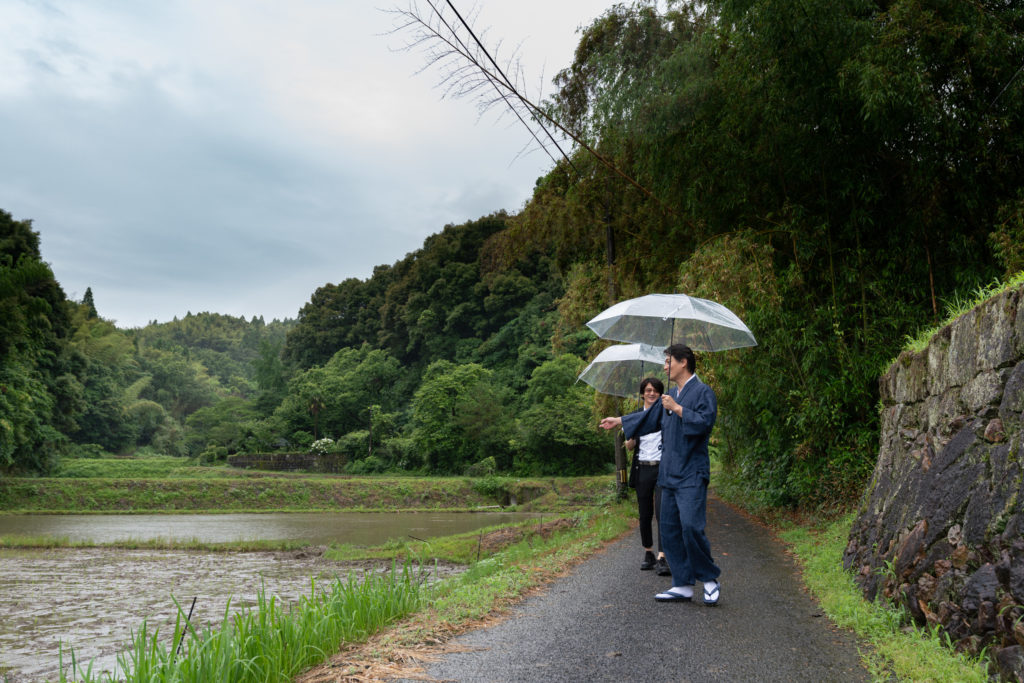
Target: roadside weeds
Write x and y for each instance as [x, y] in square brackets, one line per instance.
[478, 598]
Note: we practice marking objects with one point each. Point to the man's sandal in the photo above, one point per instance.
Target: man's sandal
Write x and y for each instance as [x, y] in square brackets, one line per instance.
[712, 591]
[675, 594]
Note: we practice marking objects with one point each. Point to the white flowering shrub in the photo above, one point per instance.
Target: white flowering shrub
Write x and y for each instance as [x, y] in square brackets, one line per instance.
[321, 446]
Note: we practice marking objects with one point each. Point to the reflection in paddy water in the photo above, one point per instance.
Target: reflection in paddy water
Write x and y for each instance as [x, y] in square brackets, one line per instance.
[316, 528]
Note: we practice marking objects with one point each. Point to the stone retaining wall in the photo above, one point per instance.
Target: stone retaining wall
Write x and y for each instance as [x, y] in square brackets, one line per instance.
[941, 529]
[288, 462]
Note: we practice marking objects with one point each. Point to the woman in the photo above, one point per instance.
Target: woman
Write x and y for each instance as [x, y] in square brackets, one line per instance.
[644, 476]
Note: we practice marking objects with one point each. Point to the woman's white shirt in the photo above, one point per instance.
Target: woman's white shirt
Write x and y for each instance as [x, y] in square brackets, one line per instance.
[649, 449]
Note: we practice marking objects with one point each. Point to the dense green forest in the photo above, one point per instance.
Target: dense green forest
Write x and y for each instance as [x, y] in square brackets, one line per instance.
[833, 171]
[444, 368]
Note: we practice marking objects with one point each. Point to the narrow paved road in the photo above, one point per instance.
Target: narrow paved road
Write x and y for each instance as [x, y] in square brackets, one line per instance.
[601, 623]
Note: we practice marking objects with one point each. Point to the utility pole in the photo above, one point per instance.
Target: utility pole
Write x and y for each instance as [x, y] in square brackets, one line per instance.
[621, 485]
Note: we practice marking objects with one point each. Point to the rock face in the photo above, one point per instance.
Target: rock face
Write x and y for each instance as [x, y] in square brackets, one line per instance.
[941, 526]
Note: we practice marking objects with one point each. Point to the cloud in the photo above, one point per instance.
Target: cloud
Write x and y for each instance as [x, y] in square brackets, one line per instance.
[206, 155]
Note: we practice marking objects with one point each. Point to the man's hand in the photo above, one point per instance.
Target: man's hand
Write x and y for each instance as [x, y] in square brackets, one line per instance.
[670, 405]
[611, 422]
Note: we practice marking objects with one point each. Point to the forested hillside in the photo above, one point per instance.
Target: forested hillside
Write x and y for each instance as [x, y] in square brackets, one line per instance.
[71, 383]
[833, 171]
[431, 365]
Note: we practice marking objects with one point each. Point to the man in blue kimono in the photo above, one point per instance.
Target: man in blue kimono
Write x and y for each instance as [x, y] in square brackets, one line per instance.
[685, 419]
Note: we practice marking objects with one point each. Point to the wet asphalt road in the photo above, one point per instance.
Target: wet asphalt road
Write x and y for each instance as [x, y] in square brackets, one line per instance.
[601, 623]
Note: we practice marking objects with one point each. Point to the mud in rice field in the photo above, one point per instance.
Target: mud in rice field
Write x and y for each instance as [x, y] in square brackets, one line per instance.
[90, 600]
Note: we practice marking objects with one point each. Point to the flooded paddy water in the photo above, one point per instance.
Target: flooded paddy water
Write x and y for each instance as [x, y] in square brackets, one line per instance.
[91, 599]
[315, 528]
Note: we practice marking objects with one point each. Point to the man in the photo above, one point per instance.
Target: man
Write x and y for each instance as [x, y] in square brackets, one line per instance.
[685, 421]
[684, 474]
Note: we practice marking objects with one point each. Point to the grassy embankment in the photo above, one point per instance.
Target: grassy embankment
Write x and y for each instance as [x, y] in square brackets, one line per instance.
[169, 485]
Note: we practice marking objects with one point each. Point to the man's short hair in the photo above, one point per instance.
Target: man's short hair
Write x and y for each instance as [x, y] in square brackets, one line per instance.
[683, 352]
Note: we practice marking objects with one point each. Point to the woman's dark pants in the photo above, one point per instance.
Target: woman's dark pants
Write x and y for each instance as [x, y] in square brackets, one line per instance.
[648, 499]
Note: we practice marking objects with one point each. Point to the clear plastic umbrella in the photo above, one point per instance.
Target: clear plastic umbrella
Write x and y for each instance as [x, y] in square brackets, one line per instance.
[663, 319]
[619, 369]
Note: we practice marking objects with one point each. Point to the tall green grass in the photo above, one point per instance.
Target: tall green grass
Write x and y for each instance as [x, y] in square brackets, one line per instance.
[956, 307]
[230, 490]
[267, 643]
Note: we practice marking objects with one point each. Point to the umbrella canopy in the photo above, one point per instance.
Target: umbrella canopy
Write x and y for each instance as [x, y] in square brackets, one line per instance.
[663, 319]
[619, 369]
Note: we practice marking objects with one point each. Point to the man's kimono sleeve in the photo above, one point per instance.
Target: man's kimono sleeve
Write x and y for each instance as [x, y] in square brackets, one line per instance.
[643, 421]
[700, 410]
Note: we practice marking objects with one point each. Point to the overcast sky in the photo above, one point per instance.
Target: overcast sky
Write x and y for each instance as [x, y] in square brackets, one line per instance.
[232, 156]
